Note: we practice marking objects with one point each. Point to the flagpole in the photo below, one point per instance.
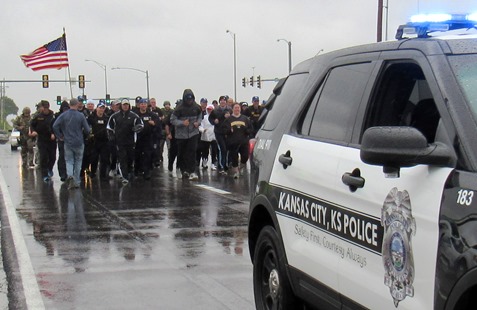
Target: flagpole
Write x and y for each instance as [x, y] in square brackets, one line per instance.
[69, 72]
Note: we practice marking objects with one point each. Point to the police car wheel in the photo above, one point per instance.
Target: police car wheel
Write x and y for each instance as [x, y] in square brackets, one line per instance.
[271, 285]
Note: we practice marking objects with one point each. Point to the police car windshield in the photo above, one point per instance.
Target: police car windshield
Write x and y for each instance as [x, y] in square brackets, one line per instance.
[465, 69]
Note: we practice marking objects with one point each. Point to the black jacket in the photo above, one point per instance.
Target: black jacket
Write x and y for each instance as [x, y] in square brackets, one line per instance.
[42, 124]
[98, 127]
[149, 131]
[123, 124]
[219, 113]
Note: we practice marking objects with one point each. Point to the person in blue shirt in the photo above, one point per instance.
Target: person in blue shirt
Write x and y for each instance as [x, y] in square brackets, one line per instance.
[70, 127]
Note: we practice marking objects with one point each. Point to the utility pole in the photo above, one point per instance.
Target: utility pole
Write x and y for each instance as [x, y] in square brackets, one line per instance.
[2, 94]
[380, 21]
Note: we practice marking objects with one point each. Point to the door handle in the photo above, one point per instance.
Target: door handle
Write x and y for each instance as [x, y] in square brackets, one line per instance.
[285, 159]
[353, 179]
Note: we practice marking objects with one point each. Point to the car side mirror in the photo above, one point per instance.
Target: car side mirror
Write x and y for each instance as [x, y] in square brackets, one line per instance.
[397, 147]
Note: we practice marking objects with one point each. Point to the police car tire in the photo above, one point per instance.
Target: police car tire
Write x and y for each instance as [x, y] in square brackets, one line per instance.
[269, 257]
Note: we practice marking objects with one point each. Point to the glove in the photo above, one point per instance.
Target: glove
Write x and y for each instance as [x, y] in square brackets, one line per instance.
[137, 128]
[110, 135]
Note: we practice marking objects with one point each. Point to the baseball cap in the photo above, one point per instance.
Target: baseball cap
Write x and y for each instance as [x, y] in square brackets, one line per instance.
[100, 104]
[210, 107]
[80, 98]
[255, 98]
[90, 101]
[138, 98]
[125, 101]
[143, 100]
[203, 100]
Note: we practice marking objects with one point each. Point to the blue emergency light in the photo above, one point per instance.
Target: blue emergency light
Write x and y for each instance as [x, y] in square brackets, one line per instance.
[423, 24]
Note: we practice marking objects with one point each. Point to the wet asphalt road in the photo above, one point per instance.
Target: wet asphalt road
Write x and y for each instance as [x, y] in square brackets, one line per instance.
[166, 243]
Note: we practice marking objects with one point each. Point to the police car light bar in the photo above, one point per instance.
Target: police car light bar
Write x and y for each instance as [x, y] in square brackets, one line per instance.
[423, 24]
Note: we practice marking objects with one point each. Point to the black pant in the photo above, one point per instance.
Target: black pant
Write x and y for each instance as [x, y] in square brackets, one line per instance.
[61, 160]
[203, 150]
[113, 150]
[186, 154]
[143, 156]
[47, 151]
[88, 149]
[214, 152]
[221, 142]
[100, 153]
[156, 151]
[126, 159]
[172, 154]
[235, 150]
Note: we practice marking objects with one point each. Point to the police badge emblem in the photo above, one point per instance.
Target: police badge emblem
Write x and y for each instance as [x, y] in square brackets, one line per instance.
[399, 226]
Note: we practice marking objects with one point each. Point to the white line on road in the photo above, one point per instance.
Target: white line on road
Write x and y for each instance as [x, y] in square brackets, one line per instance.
[213, 189]
[31, 290]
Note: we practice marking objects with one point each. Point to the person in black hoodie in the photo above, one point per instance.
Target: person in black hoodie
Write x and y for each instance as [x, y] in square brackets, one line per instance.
[124, 126]
[186, 119]
[98, 120]
[41, 127]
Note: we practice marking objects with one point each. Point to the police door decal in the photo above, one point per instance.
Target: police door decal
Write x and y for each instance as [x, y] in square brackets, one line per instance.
[399, 226]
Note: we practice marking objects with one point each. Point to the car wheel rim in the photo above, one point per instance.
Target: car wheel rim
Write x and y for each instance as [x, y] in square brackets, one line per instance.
[270, 280]
[274, 283]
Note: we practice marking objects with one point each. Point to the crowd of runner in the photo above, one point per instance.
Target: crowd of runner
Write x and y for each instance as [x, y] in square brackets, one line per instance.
[129, 140]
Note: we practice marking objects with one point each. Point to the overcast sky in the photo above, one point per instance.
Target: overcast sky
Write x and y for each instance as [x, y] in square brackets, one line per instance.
[183, 43]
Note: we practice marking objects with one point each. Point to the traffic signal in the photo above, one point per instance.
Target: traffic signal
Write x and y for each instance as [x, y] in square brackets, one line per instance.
[259, 82]
[44, 79]
[108, 99]
[251, 81]
[81, 81]
[243, 82]
[58, 100]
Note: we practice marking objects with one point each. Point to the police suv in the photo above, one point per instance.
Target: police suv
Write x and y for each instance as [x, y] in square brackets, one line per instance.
[364, 174]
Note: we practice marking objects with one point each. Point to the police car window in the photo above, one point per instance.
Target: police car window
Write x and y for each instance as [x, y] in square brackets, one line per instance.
[286, 101]
[403, 98]
[465, 69]
[337, 102]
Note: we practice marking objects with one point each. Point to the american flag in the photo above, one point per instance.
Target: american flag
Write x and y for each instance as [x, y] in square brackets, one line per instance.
[52, 55]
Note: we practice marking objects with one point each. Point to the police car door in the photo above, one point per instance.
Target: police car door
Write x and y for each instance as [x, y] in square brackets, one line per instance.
[390, 222]
[307, 183]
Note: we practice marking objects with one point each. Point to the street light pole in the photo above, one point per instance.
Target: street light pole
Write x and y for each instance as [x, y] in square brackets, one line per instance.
[105, 75]
[289, 54]
[235, 64]
[147, 76]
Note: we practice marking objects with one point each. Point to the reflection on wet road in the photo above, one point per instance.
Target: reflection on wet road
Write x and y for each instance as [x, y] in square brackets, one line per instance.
[159, 244]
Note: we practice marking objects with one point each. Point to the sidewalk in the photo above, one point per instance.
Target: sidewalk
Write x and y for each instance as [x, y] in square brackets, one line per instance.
[3, 283]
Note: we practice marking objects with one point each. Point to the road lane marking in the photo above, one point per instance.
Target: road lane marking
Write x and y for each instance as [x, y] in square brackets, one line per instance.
[31, 290]
[213, 189]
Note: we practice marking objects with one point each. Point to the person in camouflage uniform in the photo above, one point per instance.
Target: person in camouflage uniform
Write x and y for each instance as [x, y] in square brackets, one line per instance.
[22, 124]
